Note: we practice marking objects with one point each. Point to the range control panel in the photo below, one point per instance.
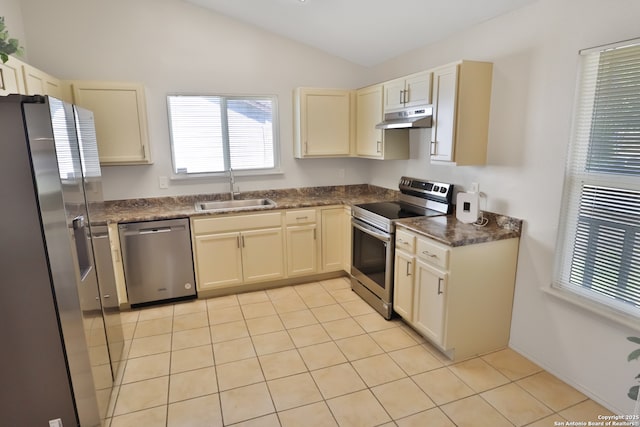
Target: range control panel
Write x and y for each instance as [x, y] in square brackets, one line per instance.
[425, 189]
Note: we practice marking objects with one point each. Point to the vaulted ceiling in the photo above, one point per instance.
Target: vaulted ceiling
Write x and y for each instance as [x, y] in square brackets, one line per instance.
[366, 32]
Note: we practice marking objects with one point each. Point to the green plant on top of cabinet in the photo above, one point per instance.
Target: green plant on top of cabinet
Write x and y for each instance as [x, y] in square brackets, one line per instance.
[376, 143]
[408, 91]
[322, 122]
[120, 118]
[461, 102]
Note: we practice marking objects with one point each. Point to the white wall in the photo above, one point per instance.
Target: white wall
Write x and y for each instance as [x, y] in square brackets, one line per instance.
[535, 56]
[174, 47]
[12, 13]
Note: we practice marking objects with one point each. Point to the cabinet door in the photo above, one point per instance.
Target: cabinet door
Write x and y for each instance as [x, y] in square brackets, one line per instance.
[394, 95]
[403, 285]
[445, 87]
[301, 250]
[218, 260]
[11, 80]
[418, 89]
[334, 242]
[262, 255]
[368, 115]
[40, 83]
[121, 120]
[430, 302]
[324, 122]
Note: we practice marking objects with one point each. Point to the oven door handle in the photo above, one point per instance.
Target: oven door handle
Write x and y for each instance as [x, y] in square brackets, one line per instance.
[371, 231]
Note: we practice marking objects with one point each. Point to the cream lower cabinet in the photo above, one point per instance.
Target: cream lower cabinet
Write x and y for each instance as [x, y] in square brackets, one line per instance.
[239, 249]
[430, 296]
[459, 298]
[302, 243]
[335, 242]
[404, 272]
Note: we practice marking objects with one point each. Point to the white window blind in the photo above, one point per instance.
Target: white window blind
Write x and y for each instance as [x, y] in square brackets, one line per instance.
[214, 133]
[598, 254]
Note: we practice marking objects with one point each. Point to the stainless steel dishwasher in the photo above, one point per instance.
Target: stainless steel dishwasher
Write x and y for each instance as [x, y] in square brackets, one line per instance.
[158, 261]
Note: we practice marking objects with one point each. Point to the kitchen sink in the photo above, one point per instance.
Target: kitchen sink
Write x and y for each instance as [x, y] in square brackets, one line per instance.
[233, 205]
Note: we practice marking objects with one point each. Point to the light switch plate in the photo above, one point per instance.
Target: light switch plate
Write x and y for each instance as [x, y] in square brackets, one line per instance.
[163, 182]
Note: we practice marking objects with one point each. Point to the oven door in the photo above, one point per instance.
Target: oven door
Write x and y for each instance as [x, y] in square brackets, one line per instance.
[372, 259]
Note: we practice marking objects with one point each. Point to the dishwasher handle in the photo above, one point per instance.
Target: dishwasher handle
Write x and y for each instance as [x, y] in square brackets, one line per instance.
[154, 230]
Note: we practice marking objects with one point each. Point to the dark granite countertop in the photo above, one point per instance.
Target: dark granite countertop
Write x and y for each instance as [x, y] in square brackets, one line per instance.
[448, 230]
[132, 210]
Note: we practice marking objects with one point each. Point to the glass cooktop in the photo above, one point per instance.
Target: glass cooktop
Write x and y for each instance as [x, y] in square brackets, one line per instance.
[397, 210]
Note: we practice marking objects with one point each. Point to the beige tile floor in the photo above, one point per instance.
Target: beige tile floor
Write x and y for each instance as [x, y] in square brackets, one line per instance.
[317, 355]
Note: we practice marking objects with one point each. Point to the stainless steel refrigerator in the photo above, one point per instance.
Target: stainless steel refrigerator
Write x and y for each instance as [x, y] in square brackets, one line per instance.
[50, 301]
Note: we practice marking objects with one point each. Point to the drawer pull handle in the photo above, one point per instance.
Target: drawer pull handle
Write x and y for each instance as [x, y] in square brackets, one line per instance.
[429, 254]
[408, 267]
[298, 218]
[439, 285]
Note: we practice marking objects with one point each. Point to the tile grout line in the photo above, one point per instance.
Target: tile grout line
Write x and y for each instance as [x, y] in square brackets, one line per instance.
[334, 341]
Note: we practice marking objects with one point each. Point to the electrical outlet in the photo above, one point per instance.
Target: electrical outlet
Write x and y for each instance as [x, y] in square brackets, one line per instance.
[55, 423]
[475, 187]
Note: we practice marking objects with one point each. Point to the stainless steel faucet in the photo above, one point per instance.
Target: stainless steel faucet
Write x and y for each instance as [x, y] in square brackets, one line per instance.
[232, 181]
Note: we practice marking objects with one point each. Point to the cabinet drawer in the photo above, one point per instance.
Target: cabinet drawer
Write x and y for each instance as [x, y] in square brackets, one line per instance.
[405, 241]
[433, 252]
[300, 216]
[231, 223]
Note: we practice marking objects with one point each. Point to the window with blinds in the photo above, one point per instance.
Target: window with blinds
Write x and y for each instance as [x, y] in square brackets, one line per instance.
[598, 254]
[212, 134]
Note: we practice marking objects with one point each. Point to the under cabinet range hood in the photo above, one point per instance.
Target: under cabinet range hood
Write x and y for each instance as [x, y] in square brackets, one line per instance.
[414, 117]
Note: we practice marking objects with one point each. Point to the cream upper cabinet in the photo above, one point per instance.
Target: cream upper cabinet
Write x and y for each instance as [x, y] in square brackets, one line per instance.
[302, 242]
[408, 91]
[460, 298]
[11, 79]
[461, 103]
[121, 120]
[19, 77]
[323, 122]
[38, 82]
[376, 143]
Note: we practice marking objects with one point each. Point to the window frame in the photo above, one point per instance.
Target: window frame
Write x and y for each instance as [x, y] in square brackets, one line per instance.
[578, 177]
[275, 123]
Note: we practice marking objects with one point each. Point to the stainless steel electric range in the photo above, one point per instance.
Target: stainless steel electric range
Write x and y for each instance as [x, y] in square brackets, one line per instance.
[373, 227]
